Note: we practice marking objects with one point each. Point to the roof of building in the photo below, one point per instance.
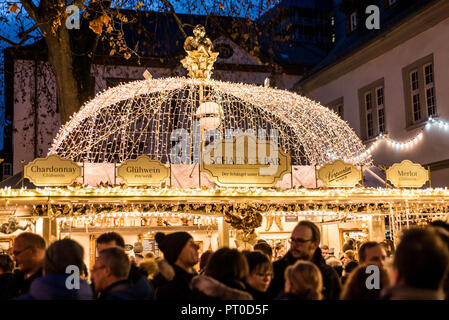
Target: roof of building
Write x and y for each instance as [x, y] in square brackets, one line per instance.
[390, 18]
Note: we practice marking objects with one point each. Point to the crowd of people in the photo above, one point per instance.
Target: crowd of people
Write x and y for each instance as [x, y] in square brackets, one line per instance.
[416, 270]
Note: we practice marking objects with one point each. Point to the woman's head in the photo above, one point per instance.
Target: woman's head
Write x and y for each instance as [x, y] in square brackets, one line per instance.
[227, 264]
[349, 255]
[304, 278]
[260, 271]
[6, 264]
[355, 287]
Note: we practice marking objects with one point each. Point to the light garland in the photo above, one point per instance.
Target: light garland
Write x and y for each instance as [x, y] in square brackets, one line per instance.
[138, 118]
[431, 122]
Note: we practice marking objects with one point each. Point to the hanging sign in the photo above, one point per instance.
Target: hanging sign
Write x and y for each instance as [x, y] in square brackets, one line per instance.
[339, 174]
[143, 171]
[245, 161]
[407, 175]
[52, 171]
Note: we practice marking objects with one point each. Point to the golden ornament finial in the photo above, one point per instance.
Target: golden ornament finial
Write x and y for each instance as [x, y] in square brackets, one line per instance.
[200, 58]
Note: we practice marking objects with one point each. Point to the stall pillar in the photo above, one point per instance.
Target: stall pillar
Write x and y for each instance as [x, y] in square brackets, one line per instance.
[223, 234]
[377, 228]
[49, 231]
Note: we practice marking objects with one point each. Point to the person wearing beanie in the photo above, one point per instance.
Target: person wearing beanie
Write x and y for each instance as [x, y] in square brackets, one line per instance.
[182, 254]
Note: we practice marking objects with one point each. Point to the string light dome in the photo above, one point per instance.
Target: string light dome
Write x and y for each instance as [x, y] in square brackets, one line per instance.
[139, 118]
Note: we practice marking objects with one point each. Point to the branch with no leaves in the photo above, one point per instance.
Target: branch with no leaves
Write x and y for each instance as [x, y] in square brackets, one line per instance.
[178, 21]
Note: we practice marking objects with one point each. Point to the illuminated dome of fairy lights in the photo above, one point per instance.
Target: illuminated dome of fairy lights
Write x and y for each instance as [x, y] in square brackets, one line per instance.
[138, 118]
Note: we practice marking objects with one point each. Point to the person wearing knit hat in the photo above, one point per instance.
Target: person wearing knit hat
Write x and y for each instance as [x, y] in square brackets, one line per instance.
[181, 252]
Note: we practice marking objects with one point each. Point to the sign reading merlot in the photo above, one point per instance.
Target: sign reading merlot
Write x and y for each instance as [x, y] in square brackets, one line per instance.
[52, 171]
[407, 175]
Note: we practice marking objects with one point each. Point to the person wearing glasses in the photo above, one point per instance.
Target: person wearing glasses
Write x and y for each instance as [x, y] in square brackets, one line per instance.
[29, 253]
[260, 274]
[304, 245]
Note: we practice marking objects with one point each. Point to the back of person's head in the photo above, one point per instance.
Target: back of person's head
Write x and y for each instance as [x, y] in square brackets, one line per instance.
[6, 264]
[61, 254]
[111, 237]
[440, 223]
[351, 255]
[258, 261]
[227, 264]
[350, 266]
[117, 261]
[362, 250]
[356, 287]
[421, 259]
[265, 248]
[304, 279]
[205, 258]
[32, 239]
[150, 266]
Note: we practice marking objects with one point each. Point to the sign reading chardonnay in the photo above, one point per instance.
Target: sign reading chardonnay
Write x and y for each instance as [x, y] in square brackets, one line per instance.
[339, 174]
[407, 175]
[245, 161]
[52, 171]
[143, 171]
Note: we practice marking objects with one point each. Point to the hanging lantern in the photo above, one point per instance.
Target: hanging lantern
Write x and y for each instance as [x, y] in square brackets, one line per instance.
[210, 114]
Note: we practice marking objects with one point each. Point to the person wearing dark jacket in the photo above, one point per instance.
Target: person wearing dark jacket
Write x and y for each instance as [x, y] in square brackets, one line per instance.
[260, 274]
[53, 285]
[182, 254]
[137, 277]
[110, 275]
[304, 243]
[9, 284]
[29, 253]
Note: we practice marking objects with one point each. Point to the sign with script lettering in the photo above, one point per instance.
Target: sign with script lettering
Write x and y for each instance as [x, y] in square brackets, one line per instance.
[245, 161]
[143, 171]
[407, 175]
[52, 171]
[339, 174]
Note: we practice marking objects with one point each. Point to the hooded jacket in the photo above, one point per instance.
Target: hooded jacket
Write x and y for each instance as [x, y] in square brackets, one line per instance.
[53, 287]
[331, 282]
[205, 287]
[178, 288]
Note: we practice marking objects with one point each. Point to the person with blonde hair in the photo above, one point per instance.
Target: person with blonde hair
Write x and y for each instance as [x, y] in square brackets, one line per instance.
[303, 281]
[150, 266]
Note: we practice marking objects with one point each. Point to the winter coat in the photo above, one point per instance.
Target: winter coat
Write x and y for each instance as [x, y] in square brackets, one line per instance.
[53, 287]
[256, 294]
[166, 273]
[331, 282]
[290, 296]
[207, 288]
[402, 292]
[142, 288]
[9, 286]
[123, 290]
[178, 288]
[26, 283]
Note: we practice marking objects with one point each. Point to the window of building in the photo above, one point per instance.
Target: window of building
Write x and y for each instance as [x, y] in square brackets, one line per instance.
[353, 21]
[7, 170]
[337, 106]
[372, 109]
[390, 2]
[419, 91]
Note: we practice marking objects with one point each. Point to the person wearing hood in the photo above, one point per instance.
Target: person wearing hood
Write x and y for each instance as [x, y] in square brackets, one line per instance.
[304, 243]
[224, 277]
[181, 252]
[53, 285]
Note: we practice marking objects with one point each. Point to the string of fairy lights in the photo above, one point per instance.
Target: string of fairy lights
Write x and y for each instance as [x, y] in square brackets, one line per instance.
[406, 145]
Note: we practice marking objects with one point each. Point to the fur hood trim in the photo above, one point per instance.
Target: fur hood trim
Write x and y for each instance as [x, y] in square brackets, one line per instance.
[215, 289]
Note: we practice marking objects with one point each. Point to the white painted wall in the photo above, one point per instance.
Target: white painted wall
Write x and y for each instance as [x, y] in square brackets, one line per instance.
[435, 143]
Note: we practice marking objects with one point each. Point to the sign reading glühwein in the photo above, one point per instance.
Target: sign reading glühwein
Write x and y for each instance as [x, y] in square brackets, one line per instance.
[339, 174]
[143, 171]
[407, 175]
[52, 171]
[245, 161]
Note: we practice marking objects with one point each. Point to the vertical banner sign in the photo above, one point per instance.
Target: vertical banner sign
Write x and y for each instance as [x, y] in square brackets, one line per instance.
[407, 175]
[52, 171]
[339, 174]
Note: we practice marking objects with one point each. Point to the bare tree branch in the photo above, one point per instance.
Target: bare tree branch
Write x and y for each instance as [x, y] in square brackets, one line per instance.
[25, 33]
[178, 21]
[31, 9]
[8, 41]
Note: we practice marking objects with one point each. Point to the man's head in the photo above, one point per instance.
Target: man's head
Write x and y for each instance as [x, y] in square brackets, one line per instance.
[110, 239]
[324, 250]
[372, 252]
[178, 248]
[264, 247]
[111, 266]
[29, 251]
[63, 253]
[421, 259]
[304, 240]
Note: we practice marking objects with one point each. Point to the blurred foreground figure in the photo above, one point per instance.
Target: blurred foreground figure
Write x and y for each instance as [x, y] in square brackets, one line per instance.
[355, 287]
[29, 253]
[9, 284]
[303, 281]
[57, 283]
[421, 264]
